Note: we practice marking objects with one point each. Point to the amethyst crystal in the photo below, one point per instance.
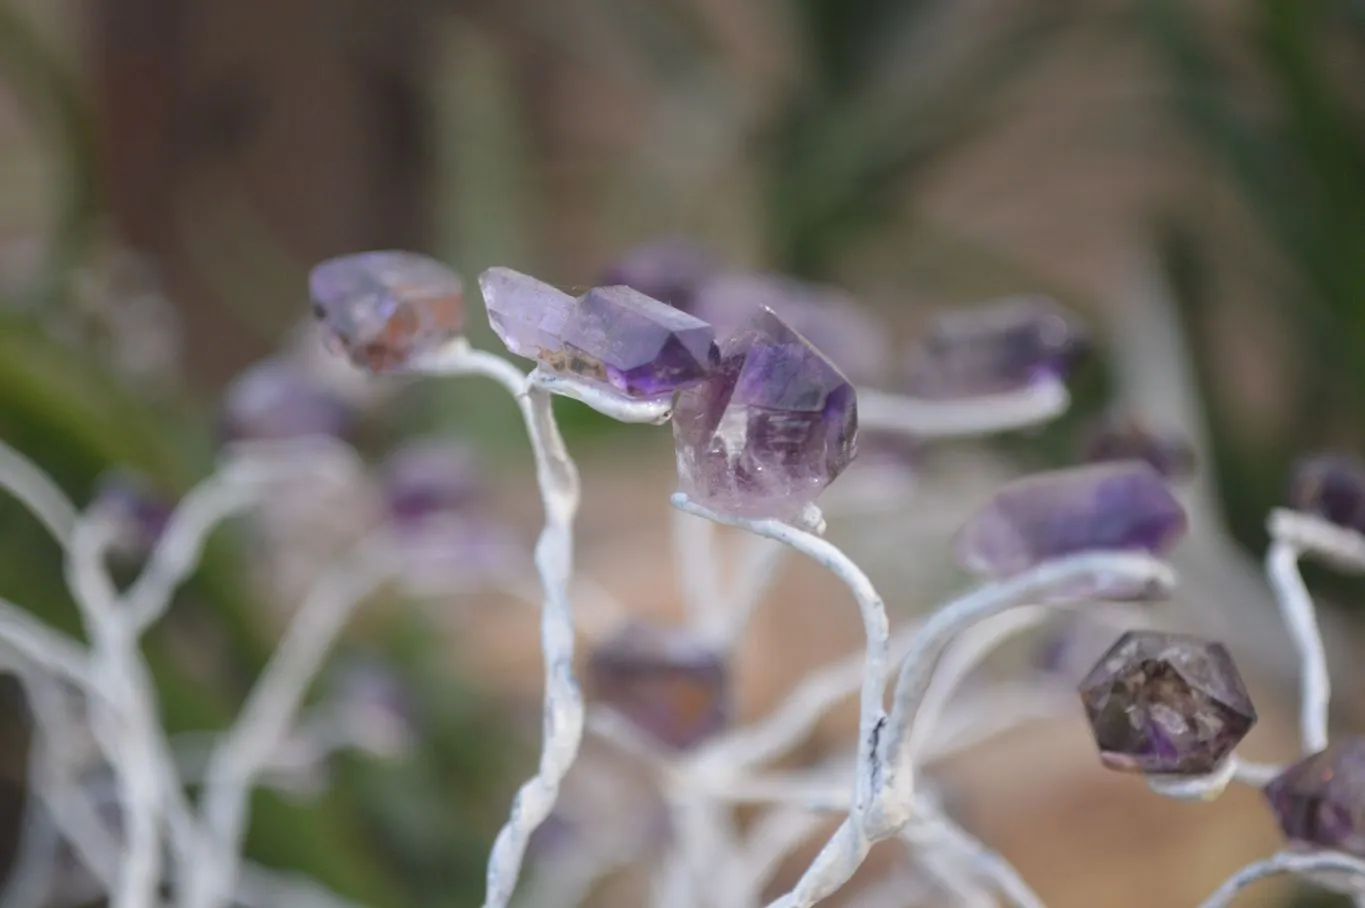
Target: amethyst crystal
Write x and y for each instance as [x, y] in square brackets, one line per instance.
[670, 270]
[374, 707]
[1320, 800]
[824, 316]
[668, 684]
[1126, 438]
[995, 348]
[774, 425]
[1166, 704]
[277, 399]
[1110, 506]
[1332, 486]
[139, 512]
[526, 314]
[638, 346]
[385, 308]
[431, 477]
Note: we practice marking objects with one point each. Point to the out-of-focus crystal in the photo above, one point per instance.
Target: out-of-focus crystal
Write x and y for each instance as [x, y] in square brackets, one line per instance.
[1166, 704]
[385, 308]
[1320, 800]
[1126, 438]
[1331, 486]
[277, 399]
[670, 270]
[771, 428]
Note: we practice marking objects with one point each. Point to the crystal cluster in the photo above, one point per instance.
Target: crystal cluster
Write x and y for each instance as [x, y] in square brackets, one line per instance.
[1123, 505]
[1320, 800]
[276, 399]
[670, 685]
[1120, 437]
[385, 308]
[770, 429]
[1332, 486]
[995, 348]
[1166, 704]
[611, 336]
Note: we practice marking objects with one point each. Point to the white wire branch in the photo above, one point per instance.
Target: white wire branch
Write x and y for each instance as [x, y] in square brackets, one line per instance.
[563, 711]
[1301, 621]
[1311, 866]
[1038, 403]
[604, 401]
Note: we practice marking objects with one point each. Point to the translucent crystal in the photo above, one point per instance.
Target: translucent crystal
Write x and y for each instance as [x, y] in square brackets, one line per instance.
[638, 346]
[1166, 704]
[1332, 486]
[385, 308]
[770, 429]
[1123, 505]
[429, 477]
[277, 399]
[995, 348]
[667, 683]
[1320, 800]
[670, 270]
[526, 314]
[1120, 437]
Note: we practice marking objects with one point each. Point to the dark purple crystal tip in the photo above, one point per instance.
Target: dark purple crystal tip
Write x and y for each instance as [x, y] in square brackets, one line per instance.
[1166, 704]
[667, 683]
[1121, 506]
[1332, 486]
[1320, 800]
[772, 427]
[385, 308]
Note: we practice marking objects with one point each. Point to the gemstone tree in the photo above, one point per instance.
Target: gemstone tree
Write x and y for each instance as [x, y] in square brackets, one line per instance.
[770, 429]
[1166, 704]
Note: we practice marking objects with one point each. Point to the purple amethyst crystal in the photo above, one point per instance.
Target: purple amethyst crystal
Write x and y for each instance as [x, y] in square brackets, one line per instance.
[670, 270]
[1331, 486]
[667, 683]
[1126, 438]
[1320, 800]
[526, 314]
[140, 514]
[773, 426]
[995, 348]
[1123, 505]
[1166, 704]
[638, 346]
[385, 308]
[277, 399]
[431, 477]
[823, 315]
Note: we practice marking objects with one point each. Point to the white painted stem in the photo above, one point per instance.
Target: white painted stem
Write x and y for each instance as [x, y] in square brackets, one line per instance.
[1305, 865]
[878, 410]
[604, 401]
[563, 709]
[1300, 619]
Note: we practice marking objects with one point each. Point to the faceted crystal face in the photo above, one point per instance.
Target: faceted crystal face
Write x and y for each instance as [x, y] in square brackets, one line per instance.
[1123, 505]
[851, 339]
[1166, 704]
[1320, 800]
[668, 684]
[526, 314]
[638, 346]
[995, 348]
[385, 308]
[428, 478]
[770, 429]
[1331, 486]
[669, 270]
[277, 399]
[1125, 438]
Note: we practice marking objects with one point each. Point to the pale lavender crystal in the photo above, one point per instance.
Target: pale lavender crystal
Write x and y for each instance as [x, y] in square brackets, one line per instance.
[426, 478]
[1124, 505]
[826, 317]
[1166, 704]
[1331, 486]
[669, 684]
[994, 348]
[277, 398]
[384, 308]
[770, 429]
[1320, 800]
[670, 270]
[638, 346]
[526, 314]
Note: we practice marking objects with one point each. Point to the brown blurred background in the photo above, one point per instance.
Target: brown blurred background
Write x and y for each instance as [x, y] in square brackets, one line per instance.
[1188, 174]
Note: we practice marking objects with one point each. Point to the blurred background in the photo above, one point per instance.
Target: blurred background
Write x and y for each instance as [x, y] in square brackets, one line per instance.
[1188, 175]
